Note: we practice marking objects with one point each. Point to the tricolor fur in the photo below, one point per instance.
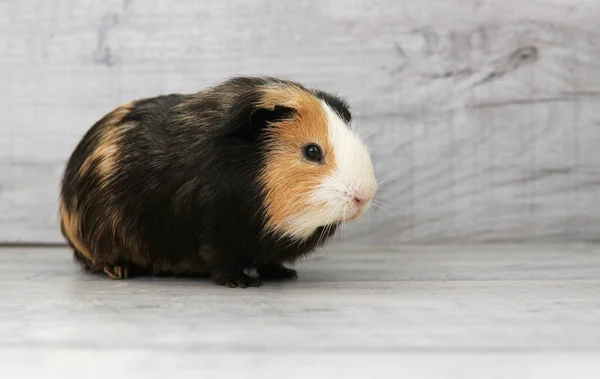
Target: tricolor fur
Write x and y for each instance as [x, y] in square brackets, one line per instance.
[215, 182]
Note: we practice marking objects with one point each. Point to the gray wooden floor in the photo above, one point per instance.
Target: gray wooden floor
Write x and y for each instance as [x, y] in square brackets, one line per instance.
[457, 312]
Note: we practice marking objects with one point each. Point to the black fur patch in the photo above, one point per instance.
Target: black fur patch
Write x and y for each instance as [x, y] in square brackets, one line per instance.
[339, 105]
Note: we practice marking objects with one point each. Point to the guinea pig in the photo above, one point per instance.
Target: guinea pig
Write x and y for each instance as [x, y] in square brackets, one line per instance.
[249, 174]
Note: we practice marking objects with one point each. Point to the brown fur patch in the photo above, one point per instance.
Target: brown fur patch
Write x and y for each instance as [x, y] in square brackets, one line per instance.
[288, 177]
[71, 226]
[126, 238]
[105, 158]
[106, 152]
[116, 272]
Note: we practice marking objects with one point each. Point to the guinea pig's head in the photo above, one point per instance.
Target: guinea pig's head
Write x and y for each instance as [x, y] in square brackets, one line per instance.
[316, 170]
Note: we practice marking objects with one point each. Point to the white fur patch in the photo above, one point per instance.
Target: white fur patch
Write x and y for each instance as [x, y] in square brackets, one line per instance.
[353, 176]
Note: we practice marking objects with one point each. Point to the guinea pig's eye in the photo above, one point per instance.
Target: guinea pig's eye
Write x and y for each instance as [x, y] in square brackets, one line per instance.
[313, 152]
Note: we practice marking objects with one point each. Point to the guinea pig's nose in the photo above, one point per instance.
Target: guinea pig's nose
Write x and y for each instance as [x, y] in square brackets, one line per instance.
[362, 198]
[359, 198]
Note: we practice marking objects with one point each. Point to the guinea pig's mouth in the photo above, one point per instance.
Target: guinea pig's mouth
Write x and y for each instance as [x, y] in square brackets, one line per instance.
[354, 217]
[356, 213]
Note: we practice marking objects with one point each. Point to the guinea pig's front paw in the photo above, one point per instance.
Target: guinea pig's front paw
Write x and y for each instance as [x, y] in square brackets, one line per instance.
[240, 280]
[276, 271]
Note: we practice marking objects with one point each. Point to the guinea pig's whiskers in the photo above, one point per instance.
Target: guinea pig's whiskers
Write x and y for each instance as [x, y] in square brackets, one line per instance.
[380, 207]
[324, 232]
[345, 226]
[389, 177]
[379, 201]
[328, 225]
[395, 172]
[384, 183]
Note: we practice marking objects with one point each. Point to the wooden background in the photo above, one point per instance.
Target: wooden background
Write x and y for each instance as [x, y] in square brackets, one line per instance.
[483, 116]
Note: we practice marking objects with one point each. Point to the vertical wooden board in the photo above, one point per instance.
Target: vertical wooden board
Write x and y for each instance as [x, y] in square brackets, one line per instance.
[482, 115]
[514, 180]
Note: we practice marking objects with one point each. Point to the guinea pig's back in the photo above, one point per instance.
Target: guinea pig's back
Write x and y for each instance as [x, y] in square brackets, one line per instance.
[118, 184]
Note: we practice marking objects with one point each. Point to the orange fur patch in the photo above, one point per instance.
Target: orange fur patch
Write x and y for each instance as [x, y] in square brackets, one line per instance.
[288, 177]
[105, 154]
[71, 225]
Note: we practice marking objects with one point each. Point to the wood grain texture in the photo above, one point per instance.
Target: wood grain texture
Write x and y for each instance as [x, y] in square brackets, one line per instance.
[482, 116]
[476, 312]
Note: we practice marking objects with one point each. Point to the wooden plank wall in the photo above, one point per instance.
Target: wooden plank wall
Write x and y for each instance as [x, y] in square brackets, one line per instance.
[483, 116]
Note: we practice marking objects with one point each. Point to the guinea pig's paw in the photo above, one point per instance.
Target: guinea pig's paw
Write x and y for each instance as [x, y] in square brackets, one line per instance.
[276, 271]
[116, 272]
[240, 280]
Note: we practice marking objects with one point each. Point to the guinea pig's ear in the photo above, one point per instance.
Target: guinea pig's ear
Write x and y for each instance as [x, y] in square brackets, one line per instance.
[248, 119]
[261, 118]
